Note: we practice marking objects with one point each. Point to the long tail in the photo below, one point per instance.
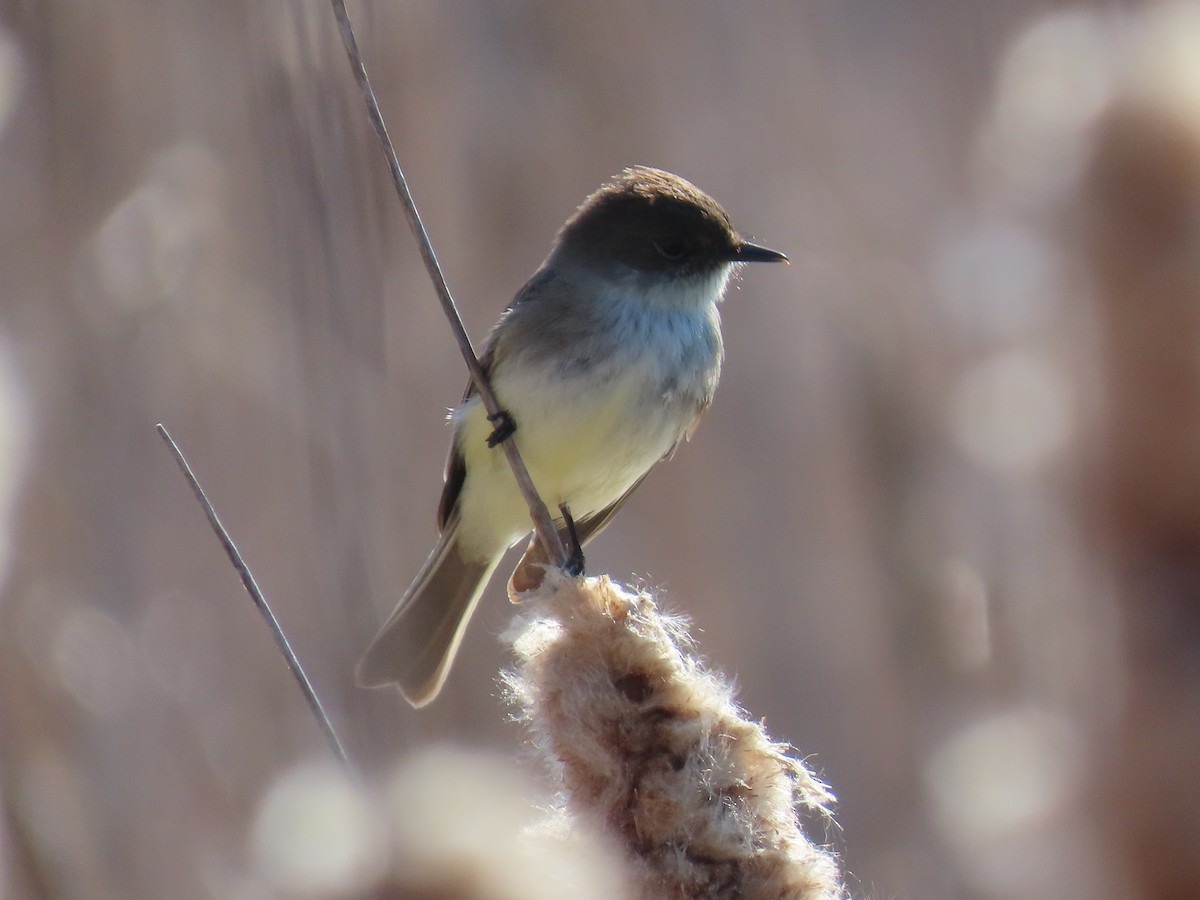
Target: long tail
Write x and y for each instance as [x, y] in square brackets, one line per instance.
[415, 647]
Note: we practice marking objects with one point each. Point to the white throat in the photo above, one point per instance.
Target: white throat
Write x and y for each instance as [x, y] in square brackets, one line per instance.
[669, 293]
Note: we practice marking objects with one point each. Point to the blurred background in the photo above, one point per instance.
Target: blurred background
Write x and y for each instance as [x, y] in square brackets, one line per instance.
[942, 523]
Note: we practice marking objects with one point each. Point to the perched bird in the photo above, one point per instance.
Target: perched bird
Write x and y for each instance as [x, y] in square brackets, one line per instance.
[605, 360]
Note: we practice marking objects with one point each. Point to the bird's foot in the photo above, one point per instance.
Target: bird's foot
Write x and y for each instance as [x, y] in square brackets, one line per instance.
[575, 562]
[504, 428]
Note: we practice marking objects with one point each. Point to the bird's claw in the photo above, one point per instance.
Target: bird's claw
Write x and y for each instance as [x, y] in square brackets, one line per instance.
[504, 428]
[575, 564]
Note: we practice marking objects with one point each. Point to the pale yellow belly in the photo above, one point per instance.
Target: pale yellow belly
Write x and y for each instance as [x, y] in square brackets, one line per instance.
[584, 448]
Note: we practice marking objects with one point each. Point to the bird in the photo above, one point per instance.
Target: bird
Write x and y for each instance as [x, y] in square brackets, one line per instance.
[604, 362]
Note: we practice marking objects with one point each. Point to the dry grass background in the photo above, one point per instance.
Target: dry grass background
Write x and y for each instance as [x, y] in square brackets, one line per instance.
[948, 478]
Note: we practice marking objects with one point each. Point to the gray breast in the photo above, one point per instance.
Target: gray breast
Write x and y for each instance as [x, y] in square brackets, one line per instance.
[609, 336]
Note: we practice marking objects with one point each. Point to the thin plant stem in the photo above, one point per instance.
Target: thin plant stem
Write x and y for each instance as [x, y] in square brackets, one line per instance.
[260, 602]
[543, 523]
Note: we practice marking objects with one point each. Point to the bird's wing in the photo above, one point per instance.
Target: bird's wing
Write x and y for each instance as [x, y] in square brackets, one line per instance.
[456, 466]
[456, 474]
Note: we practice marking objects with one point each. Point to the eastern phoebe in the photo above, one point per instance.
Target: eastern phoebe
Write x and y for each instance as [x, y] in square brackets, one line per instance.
[605, 361]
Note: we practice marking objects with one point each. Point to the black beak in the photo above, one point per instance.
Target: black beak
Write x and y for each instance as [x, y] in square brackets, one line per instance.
[746, 252]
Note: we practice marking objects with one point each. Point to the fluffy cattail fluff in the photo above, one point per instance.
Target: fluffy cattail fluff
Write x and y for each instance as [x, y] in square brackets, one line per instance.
[650, 746]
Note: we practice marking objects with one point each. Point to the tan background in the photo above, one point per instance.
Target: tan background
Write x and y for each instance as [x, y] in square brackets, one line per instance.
[889, 527]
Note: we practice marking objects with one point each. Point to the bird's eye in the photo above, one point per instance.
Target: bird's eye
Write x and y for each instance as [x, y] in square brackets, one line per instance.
[671, 248]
